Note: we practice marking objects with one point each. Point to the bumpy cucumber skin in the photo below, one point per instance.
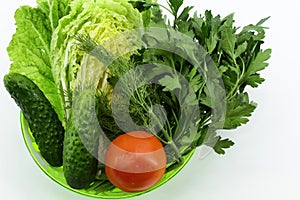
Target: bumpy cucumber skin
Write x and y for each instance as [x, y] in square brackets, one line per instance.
[79, 162]
[42, 119]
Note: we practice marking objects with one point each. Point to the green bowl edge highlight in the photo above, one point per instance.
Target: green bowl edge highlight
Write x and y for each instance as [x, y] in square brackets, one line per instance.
[56, 173]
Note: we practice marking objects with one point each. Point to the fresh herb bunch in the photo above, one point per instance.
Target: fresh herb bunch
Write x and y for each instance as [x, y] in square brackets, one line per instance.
[237, 54]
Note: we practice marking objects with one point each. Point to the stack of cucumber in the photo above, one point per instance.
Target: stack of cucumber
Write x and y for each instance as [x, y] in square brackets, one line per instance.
[57, 146]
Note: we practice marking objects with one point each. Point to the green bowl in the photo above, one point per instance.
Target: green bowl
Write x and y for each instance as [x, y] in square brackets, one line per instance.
[56, 173]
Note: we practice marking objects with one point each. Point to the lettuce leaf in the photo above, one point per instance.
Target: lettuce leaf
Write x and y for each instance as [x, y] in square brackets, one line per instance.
[54, 10]
[30, 44]
[29, 49]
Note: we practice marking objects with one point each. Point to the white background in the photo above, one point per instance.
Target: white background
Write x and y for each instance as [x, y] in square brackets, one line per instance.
[264, 163]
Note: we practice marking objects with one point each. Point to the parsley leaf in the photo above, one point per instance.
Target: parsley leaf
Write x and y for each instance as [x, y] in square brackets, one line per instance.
[238, 109]
[251, 77]
[175, 5]
[222, 144]
[228, 37]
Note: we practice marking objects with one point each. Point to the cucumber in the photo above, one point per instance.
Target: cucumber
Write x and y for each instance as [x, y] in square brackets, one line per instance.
[81, 141]
[42, 119]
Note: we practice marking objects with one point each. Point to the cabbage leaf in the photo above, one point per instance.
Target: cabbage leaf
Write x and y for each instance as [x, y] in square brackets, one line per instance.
[29, 49]
[101, 19]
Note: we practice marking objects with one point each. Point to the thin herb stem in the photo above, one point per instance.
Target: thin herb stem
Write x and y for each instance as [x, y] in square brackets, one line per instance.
[164, 132]
[238, 77]
[164, 7]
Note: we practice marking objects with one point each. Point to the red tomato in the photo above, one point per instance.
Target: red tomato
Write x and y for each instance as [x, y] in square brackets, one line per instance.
[135, 161]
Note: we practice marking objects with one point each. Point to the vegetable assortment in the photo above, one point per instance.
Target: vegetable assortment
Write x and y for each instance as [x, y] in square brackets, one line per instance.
[95, 76]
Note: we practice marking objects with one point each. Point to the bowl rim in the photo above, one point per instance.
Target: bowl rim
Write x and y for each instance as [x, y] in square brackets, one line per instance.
[27, 135]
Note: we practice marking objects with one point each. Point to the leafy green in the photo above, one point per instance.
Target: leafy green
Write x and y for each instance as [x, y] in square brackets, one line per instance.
[251, 76]
[102, 20]
[54, 10]
[175, 5]
[228, 39]
[238, 109]
[237, 54]
[222, 144]
[29, 49]
[31, 41]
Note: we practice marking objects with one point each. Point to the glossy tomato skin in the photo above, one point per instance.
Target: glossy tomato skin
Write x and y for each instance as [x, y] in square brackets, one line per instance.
[135, 161]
